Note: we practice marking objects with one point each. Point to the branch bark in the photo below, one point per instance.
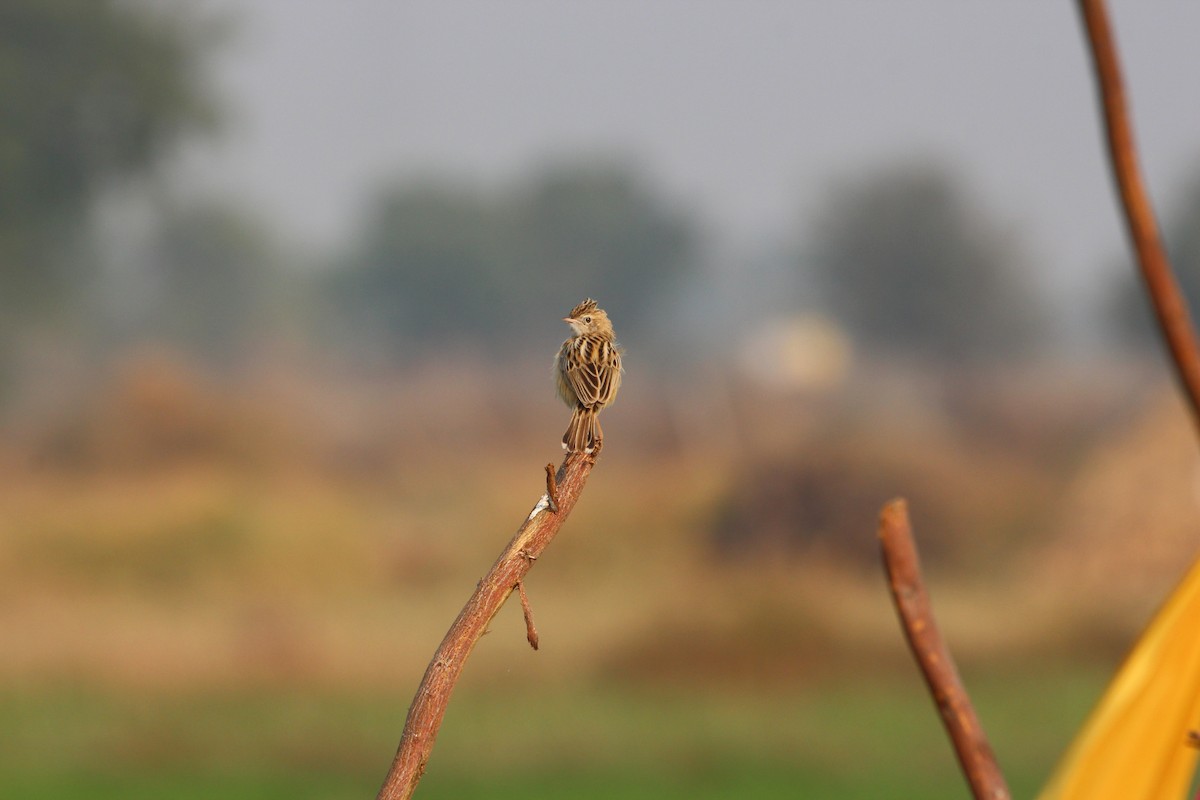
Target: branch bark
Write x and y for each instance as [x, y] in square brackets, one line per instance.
[1170, 309]
[433, 695]
[937, 665]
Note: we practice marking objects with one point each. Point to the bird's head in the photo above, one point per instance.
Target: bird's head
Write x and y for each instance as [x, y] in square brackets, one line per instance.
[588, 318]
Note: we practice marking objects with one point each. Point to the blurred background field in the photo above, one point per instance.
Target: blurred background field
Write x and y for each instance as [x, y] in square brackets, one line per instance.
[259, 437]
[232, 598]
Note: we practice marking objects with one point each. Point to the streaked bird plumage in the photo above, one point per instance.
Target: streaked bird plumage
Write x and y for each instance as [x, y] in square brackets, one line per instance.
[588, 372]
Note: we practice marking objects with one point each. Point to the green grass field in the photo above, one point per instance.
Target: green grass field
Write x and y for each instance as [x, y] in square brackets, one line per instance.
[872, 739]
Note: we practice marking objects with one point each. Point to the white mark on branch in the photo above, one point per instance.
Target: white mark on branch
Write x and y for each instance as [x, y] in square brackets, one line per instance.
[542, 505]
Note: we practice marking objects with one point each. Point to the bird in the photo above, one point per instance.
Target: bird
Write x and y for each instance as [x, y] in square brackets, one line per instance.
[588, 372]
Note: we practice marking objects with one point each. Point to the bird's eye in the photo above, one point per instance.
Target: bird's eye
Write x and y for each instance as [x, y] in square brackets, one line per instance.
[587, 319]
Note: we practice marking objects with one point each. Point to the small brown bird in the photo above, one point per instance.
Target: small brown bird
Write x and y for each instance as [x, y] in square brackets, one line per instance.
[588, 369]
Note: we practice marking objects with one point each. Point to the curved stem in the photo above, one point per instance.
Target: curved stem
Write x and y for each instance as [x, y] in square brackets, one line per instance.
[1170, 309]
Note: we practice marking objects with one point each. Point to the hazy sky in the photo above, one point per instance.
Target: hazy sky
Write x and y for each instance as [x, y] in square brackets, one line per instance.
[743, 110]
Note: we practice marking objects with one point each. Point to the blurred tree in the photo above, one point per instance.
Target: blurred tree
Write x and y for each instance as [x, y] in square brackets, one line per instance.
[1128, 316]
[430, 263]
[89, 90]
[599, 229]
[436, 263]
[210, 267]
[907, 261]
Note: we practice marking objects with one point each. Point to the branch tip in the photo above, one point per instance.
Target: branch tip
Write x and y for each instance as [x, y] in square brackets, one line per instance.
[933, 657]
[893, 517]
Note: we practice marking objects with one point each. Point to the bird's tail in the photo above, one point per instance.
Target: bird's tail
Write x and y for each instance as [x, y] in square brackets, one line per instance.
[583, 434]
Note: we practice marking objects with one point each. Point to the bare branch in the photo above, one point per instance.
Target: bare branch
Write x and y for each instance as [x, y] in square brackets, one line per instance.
[433, 695]
[937, 665]
[1170, 309]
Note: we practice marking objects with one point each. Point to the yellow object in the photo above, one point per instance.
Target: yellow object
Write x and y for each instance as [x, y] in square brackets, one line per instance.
[1135, 745]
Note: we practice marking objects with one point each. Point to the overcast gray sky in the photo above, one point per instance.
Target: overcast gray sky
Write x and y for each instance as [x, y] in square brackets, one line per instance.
[742, 109]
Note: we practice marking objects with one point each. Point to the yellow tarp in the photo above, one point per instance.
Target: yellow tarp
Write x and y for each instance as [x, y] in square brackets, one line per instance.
[1135, 744]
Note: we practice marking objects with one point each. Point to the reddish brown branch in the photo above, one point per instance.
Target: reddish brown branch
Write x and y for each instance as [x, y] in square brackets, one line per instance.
[433, 695]
[1170, 309]
[937, 665]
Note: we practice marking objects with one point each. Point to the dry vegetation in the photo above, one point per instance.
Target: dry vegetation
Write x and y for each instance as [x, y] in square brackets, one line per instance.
[160, 527]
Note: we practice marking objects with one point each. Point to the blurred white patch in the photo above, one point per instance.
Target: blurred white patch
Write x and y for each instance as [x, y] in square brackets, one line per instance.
[806, 353]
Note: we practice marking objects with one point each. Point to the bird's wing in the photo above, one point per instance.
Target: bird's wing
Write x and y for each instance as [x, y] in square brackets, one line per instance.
[610, 376]
[595, 374]
[587, 381]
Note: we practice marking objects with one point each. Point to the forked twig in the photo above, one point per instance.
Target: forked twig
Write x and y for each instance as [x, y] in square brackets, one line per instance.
[1170, 308]
[531, 634]
[551, 488]
[937, 665]
[433, 695]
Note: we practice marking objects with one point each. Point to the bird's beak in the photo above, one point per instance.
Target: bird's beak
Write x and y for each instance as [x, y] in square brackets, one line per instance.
[568, 320]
